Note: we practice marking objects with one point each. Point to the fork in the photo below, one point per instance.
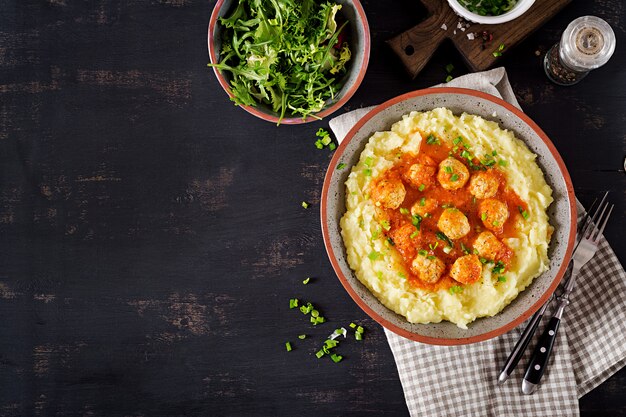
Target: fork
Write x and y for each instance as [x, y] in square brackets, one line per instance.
[587, 247]
[522, 343]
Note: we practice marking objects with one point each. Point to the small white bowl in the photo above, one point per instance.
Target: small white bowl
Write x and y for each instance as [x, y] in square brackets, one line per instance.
[519, 9]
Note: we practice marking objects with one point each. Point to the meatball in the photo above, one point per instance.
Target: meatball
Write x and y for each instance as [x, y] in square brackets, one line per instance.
[484, 185]
[419, 174]
[424, 206]
[453, 223]
[402, 239]
[428, 268]
[467, 269]
[487, 245]
[493, 213]
[452, 174]
[389, 193]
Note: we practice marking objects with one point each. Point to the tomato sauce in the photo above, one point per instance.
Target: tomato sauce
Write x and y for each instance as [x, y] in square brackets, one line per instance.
[402, 230]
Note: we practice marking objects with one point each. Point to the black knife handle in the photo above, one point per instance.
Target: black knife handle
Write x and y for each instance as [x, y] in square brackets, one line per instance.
[541, 355]
[520, 347]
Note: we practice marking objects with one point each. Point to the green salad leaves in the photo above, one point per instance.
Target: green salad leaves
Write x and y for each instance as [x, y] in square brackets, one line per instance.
[286, 54]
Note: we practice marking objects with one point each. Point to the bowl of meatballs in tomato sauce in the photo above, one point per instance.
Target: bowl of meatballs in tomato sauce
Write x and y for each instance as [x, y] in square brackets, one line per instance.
[452, 217]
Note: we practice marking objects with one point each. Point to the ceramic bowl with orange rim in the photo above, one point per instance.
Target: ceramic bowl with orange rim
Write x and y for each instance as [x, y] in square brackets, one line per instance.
[561, 213]
[358, 38]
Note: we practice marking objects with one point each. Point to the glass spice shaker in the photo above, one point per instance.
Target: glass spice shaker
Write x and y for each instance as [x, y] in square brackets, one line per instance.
[587, 43]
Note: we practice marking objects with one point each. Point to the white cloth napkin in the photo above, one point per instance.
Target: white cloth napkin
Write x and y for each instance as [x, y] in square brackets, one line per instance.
[462, 380]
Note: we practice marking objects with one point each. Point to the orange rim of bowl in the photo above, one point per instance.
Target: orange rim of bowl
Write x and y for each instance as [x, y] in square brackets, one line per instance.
[292, 120]
[370, 312]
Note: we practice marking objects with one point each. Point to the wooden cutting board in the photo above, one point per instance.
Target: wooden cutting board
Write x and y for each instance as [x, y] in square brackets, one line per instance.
[417, 45]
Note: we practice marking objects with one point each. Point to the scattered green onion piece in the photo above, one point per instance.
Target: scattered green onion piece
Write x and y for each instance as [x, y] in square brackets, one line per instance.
[368, 161]
[315, 313]
[336, 358]
[305, 204]
[455, 289]
[367, 172]
[449, 78]
[385, 224]
[454, 177]
[414, 234]
[501, 278]
[483, 216]
[503, 163]
[391, 242]
[306, 281]
[442, 236]
[341, 165]
[422, 201]
[374, 255]
[360, 329]
[416, 220]
[302, 337]
[288, 346]
[449, 68]
[448, 169]
[421, 187]
[332, 146]
[358, 336]
[319, 354]
[352, 326]
[404, 211]
[401, 275]
[422, 252]
[293, 303]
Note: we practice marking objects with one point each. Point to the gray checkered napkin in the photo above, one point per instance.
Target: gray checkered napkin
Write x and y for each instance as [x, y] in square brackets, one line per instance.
[461, 380]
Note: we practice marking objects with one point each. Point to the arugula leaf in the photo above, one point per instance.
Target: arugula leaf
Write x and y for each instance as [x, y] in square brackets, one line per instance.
[286, 55]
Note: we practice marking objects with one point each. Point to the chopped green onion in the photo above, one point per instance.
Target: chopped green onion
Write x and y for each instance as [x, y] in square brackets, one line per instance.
[455, 289]
[302, 337]
[431, 257]
[293, 303]
[360, 329]
[423, 201]
[496, 223]
[449, 68]
[336, 358]
[319, 144]
[433, 247]
[374, 255]
[305, 204]
[414, 234]
[498, 268]
[501, 278]
[464, 249]
[401, 275]
[306, 281]
[523, 212]
[385, 224]
[352, 326]
[288, 346]
[358, 336]
[442, 236]
[368, 161]
[454, 177]
[404, 211]
[503, 163]
[341, 165]
[422, 252]
[421, 187]
[326, 140]
[494, 153]
[449, 78]
[319, 354]
[391, 242]
[432, 140]
[448, 169]
[416, 220]
[315, 313]
[367, 172]
[483, 216]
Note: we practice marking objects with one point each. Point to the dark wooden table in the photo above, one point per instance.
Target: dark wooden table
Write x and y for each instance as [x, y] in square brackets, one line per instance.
[152, 232]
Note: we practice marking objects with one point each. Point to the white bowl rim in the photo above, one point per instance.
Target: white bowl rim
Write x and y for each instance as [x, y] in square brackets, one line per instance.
[520, 8]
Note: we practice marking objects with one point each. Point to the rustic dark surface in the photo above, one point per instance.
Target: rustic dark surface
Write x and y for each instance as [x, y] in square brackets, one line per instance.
[152, 233]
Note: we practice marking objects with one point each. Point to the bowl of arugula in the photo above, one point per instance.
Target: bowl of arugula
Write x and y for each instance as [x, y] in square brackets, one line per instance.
[289, 61]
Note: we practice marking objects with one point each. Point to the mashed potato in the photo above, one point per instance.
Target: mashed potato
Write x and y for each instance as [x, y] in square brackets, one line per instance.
[378, 247]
